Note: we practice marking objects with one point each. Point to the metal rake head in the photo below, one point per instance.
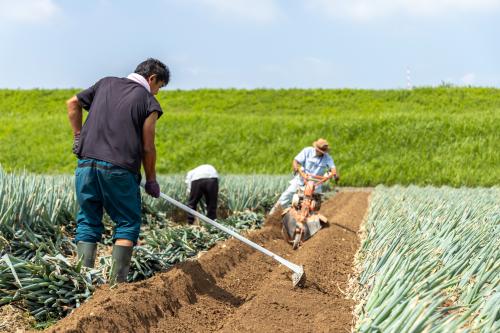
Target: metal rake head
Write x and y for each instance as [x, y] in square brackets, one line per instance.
[299, 278]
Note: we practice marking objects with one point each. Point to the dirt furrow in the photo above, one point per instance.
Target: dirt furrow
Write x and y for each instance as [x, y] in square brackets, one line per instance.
[234, 288]
[327, 258]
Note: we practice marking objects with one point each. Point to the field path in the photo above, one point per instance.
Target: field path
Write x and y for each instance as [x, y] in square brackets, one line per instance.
[233, 288]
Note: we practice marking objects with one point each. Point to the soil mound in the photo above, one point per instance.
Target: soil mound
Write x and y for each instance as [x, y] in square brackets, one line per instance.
[233, 288]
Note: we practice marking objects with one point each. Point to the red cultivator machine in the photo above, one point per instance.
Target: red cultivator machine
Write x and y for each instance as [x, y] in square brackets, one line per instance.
[302, 220]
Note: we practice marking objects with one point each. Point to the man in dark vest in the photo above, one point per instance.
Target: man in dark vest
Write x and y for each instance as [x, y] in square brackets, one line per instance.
[118, 134]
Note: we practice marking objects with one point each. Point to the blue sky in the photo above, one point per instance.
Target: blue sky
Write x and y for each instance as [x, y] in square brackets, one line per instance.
[252, 43]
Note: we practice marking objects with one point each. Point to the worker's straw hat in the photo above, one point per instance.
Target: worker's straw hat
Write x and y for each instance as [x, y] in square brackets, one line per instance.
[321, 145]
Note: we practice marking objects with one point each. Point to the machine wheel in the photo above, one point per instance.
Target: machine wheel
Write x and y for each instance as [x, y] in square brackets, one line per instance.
[289, 225]
[296, 241]
[285, 235]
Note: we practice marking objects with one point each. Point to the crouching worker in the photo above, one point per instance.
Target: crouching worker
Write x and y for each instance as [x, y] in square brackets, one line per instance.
[203, 181]
[118, 134]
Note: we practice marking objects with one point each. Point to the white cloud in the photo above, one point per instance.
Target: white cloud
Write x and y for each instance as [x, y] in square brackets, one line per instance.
[194, 71]
[263, 11]
[468, 79]
[28, 11]
[365, 10]
[317, 66]
[307, 72]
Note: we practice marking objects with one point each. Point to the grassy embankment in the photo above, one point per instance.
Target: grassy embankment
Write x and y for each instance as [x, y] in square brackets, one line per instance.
[425, 136]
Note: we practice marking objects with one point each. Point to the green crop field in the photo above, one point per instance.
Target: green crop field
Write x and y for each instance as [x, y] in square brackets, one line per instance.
[433, 136]
[37, 225]
[430, 261]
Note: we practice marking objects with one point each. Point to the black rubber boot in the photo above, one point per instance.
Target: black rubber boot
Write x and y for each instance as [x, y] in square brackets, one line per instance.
[88, 252]
[121, 257]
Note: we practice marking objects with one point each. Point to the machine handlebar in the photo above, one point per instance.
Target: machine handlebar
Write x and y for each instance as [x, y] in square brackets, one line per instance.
[318, 180]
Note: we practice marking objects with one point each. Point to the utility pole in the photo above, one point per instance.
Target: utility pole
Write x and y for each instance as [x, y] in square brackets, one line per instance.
[408, 80]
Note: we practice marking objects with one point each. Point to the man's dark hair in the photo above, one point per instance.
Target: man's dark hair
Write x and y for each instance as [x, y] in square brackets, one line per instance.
[154, 67]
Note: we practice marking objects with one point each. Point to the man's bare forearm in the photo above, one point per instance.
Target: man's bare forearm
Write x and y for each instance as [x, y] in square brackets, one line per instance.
[149, 148]
[149, 162]
[75, 115]
[296, 166]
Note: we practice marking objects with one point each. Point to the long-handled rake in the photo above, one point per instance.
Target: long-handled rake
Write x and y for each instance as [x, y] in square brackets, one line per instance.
[298, 275]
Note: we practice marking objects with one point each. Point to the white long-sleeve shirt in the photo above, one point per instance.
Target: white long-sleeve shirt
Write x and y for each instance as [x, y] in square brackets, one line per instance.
[200, 172]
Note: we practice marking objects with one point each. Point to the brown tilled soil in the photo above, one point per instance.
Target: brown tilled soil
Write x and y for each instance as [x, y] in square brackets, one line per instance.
[14, 320]
[233, 288]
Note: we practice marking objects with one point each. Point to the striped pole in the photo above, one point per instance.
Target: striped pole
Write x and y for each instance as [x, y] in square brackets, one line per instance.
[408, 80]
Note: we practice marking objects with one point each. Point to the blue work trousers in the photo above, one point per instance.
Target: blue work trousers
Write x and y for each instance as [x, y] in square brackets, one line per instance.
[102, 185]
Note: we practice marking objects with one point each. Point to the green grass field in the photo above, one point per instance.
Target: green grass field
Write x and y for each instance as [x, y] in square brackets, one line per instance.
[425, 136]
